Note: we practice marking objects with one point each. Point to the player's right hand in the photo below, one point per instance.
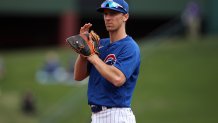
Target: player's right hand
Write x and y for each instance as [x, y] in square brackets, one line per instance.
[85, 28]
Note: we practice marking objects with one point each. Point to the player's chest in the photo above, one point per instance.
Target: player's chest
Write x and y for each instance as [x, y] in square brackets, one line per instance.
[109, 54]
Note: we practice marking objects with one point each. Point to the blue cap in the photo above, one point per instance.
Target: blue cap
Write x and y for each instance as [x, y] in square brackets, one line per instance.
[116, 5]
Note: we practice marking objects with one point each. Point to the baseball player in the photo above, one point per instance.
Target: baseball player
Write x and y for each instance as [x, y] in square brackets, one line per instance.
[112, 72]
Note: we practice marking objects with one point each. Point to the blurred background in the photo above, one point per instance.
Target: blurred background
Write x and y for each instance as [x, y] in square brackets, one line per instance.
[179, 56]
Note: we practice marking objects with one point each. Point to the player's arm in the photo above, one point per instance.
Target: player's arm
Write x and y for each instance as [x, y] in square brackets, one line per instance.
[80, 68]
[109, 72]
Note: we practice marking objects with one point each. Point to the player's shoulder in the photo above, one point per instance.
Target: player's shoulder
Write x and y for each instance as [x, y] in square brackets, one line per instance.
[131, 43]
[104, 41]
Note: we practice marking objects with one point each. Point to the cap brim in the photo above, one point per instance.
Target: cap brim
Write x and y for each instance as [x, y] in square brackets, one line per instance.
[101, 10]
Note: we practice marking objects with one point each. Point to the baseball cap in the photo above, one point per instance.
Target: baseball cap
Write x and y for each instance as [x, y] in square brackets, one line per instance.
[116, 5]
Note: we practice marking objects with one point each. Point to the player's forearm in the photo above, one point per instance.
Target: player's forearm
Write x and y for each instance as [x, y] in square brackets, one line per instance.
[110, 73]
[80, 69]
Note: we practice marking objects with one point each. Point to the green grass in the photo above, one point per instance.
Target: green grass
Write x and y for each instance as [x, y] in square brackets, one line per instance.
[177, 84]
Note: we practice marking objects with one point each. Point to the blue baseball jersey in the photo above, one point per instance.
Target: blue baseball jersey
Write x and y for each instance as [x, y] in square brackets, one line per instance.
[124, 55]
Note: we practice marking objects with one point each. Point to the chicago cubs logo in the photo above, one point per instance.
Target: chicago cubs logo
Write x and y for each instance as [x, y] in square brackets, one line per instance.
[110, 59]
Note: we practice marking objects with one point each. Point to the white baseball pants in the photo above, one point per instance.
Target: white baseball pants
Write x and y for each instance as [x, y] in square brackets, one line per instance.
[114, 115]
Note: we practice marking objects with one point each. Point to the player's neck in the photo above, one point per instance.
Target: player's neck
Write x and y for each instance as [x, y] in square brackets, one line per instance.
[117, 35]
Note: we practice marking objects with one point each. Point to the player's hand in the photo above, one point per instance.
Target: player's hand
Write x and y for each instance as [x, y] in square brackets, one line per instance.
[85, 28]
[85, 44]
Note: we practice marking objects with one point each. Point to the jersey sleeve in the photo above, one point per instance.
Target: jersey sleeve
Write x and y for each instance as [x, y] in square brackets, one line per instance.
[128, 60]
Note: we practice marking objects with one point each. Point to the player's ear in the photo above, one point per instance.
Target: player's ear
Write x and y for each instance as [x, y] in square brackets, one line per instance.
[125, 17]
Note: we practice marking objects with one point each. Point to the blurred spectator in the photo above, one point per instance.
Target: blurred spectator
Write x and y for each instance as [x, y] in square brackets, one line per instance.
[191, 17]
[51, 70]
[2, 68]
[70, 69]
[28, 103]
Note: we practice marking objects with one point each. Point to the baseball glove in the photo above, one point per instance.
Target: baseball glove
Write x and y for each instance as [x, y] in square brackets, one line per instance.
[83, 45]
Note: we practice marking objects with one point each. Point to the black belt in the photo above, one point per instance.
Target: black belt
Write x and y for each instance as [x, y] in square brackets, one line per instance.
[97, 108]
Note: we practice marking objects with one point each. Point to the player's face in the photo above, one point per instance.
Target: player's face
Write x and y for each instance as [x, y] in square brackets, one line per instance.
[114, 20]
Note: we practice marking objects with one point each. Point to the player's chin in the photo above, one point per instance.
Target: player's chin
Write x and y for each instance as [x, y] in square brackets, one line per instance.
[110, 29]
